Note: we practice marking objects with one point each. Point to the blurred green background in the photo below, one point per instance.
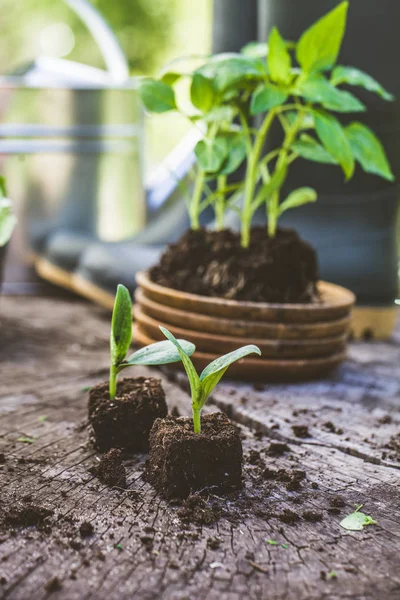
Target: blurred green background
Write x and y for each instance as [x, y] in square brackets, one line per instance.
[151, 33]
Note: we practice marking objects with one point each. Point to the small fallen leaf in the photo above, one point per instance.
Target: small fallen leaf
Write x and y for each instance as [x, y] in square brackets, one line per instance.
[272, 542]
[332, 575]
[285, 546]
[26, 440]
[119, 547]
[216, 565]
[357, 520]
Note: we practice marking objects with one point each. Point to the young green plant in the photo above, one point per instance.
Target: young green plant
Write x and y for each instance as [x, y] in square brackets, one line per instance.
[160, 353]
[236, 99]
[202, 386]
[7, 219]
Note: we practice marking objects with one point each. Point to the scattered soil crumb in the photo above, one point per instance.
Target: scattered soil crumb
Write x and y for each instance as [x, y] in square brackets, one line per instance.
[288, 516]
[196, 510]
[386, 420]
[213, 543]
[254, 457]
[86, 529]
[312, 515]
[301, 431]
[332, 428]
[53, 585]
[337, 502]
[26, 515]
[277, 449]
[111, 470]
[2, 458]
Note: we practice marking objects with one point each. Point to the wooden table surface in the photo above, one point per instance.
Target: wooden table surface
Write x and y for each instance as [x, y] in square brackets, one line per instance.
[51, 351]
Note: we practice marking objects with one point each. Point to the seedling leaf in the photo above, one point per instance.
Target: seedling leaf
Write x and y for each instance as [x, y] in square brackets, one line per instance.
[307, 147]
[202, 92]
[272, 542]
[26, 440]
[267, 96]
[301, 196]
[160, 353]
[121, 325]
[194, 380]
[368, 150]
[211, 153]
[317, 89]
[214, 372]
[157, 96]
[353, 76]
[334, 139]
[279, 61]
[318, 47]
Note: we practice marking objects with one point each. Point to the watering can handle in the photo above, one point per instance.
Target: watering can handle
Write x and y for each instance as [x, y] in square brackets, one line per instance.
[108, 44]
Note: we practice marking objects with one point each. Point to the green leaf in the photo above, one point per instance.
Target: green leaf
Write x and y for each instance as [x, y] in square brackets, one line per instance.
[212, 374]
[310, 149]
[255, 50]
[303, 195]
[26, 440]
[7, 220]
[157, 96]
[334, 139]
[3, 187]
[220, 113]
[194, 380]
[319, 46]
[279, 61]
[211, 153]
[272, 542]
[121, 325]
[170, 77]
[236, 154]
[228, 70]
[317, 89]
[356, 521]
[202, 92]
[353, 76]
[266, 97]
[368, 150]
[160, 353]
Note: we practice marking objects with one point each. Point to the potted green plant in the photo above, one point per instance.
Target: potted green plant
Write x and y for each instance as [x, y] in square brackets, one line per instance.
[188, 454]
[263, 274]
[122, 413]
[7, 223]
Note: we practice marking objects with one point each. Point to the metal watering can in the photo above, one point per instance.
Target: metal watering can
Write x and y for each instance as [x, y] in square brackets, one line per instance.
[71, 149]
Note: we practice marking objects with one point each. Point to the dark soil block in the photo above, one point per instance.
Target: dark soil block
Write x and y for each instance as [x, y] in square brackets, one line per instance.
[212, 263]
[125, 422]
[182, 461]
[111, 470]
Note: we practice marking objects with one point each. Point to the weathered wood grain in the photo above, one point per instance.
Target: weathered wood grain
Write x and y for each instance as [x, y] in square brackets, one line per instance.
[51, 351]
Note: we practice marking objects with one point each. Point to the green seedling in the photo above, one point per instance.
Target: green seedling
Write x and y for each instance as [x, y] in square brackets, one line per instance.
[236, 99]
[357, 520]
[202, 386]
[160, 353]
[7, 219]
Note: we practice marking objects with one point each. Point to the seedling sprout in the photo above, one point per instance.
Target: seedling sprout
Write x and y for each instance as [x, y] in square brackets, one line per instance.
[202, 386]
[160, 353]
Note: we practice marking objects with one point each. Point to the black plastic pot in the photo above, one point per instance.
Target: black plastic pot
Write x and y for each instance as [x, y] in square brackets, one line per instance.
[235, 24]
